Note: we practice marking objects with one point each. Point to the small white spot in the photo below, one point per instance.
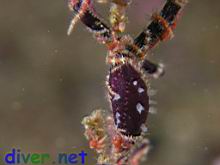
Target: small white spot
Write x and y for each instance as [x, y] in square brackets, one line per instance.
[117, 115]
[135, 83]
[123, 60]
[139, 108]
[118, 122]
[144, 128]
[160, 71]
[116, 97]
[140, 90]
[117, 118]
[113, 61]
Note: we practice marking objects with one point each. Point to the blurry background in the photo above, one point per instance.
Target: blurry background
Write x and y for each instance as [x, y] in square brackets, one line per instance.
[49, 81]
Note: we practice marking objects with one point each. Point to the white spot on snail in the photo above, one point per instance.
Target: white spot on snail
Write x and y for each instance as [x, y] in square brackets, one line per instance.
[140, 90]
[117, 118]
[116, 97]
[139, 108]
[135, 83]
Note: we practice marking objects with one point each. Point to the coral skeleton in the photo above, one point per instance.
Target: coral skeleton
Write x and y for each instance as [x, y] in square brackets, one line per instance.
[120, 136]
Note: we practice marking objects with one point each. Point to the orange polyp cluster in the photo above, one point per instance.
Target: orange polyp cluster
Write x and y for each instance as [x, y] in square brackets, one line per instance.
[96, 144]
[113, 45]
[117, 141]
[95, 141]
[93, 144]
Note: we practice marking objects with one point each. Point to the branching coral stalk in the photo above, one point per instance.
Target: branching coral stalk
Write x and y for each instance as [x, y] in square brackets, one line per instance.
[120, 137]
